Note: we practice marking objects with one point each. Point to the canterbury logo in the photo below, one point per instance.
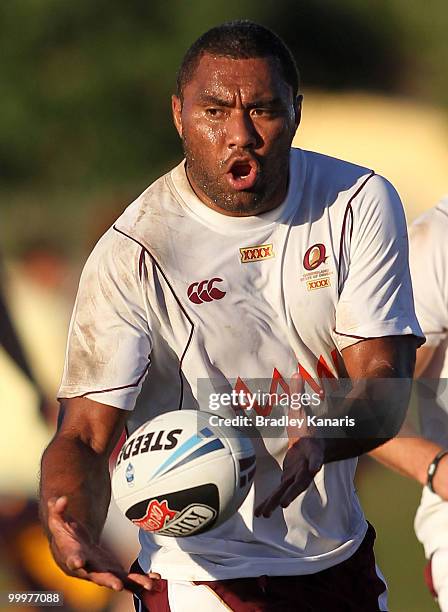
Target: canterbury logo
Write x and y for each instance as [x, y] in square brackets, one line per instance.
[255, 253]
[205, 291]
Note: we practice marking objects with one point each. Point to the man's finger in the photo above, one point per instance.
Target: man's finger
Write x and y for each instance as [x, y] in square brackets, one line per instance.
[262, 509]
[66, 550]
[106, 579]
[56, 510]
[57, 505]
[142, 579]
[270, 503]
[75, 561]
[136, 582]
[295, 489]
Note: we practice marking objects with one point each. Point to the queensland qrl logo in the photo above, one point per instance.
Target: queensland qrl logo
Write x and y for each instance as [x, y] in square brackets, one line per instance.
[256, 253]
[205, 291]
[314, 257]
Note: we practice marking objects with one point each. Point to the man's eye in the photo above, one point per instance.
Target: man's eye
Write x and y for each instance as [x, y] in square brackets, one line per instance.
[262, 112]
[213, 112]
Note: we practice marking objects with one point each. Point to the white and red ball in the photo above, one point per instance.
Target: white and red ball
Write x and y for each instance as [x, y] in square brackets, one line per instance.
[177, 475]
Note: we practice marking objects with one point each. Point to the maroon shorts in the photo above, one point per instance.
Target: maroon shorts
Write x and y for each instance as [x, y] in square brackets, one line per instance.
[350, 586]
[427, 573]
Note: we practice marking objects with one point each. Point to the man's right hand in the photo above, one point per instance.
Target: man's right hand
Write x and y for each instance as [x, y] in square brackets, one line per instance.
[77, 554]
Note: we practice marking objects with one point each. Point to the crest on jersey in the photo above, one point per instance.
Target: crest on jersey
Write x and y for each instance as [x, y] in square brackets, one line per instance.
[315, 256]
[317, 276]
[256, 253]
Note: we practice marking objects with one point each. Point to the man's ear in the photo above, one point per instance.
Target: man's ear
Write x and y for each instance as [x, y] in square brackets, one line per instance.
[176, 106]
[298, 110]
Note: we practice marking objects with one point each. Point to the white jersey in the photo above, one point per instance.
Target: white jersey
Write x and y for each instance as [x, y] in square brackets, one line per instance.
[176, 292]
[429, 268]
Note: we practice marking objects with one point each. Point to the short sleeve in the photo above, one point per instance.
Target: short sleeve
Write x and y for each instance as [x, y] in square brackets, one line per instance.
[428, 263]
[109, 340]
[376, 298]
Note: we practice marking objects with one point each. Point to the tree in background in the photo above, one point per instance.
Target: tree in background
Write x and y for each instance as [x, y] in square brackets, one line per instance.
[85, 89]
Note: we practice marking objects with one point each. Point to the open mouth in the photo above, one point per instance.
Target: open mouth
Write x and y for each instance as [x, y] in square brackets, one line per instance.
[240, 170]
[242, 174]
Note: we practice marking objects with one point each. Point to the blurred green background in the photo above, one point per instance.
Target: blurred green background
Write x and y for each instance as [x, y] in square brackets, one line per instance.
[389, 502]
[85, 126]
[84, 110]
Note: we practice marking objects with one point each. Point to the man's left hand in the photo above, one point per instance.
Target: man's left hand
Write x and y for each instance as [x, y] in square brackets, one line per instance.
[301, 463]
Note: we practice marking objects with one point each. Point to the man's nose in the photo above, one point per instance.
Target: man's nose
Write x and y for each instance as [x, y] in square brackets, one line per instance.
[241, 132]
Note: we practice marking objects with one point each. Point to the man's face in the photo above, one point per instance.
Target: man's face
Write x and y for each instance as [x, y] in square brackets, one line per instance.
[237, 121]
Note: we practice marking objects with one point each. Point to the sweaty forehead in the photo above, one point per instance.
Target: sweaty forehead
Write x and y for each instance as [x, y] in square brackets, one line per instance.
[226, 77]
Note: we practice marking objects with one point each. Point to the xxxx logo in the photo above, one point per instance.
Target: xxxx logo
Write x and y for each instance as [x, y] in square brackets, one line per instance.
[205, 291]
[318, 284]
[256, 253]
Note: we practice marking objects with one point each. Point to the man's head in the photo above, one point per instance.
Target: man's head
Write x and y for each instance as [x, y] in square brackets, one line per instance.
[237, 109]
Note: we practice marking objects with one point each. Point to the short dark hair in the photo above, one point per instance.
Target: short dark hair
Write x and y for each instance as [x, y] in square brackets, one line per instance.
[242, 39]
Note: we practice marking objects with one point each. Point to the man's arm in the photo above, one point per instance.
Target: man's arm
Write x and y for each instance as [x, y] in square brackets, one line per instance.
[376, 407]
[409, 454]
[381, 370]
[75, 494]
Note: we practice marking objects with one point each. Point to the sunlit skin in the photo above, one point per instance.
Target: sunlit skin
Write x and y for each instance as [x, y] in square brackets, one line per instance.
[237, 120]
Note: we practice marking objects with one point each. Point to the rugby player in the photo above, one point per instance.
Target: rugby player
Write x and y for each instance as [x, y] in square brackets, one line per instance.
[248, 260]
[426, 458]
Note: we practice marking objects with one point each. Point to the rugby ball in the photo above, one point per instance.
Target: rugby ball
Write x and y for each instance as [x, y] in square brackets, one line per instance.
[178, 475]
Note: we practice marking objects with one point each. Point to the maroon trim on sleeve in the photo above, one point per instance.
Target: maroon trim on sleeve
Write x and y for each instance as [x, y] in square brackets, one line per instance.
[136, 384]
[441, 210]
[419, 338]
[141, 263]
[353, 336]
[179, 303]
[348, 211]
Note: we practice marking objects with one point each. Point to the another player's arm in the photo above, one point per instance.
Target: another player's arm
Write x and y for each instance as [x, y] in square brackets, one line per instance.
[424, 357]
[409, 454]
[75, 493]
[377, 410]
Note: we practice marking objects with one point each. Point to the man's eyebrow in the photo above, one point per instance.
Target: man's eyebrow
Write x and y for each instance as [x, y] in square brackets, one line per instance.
[260, 103]
[214, 100]
[266, 103]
